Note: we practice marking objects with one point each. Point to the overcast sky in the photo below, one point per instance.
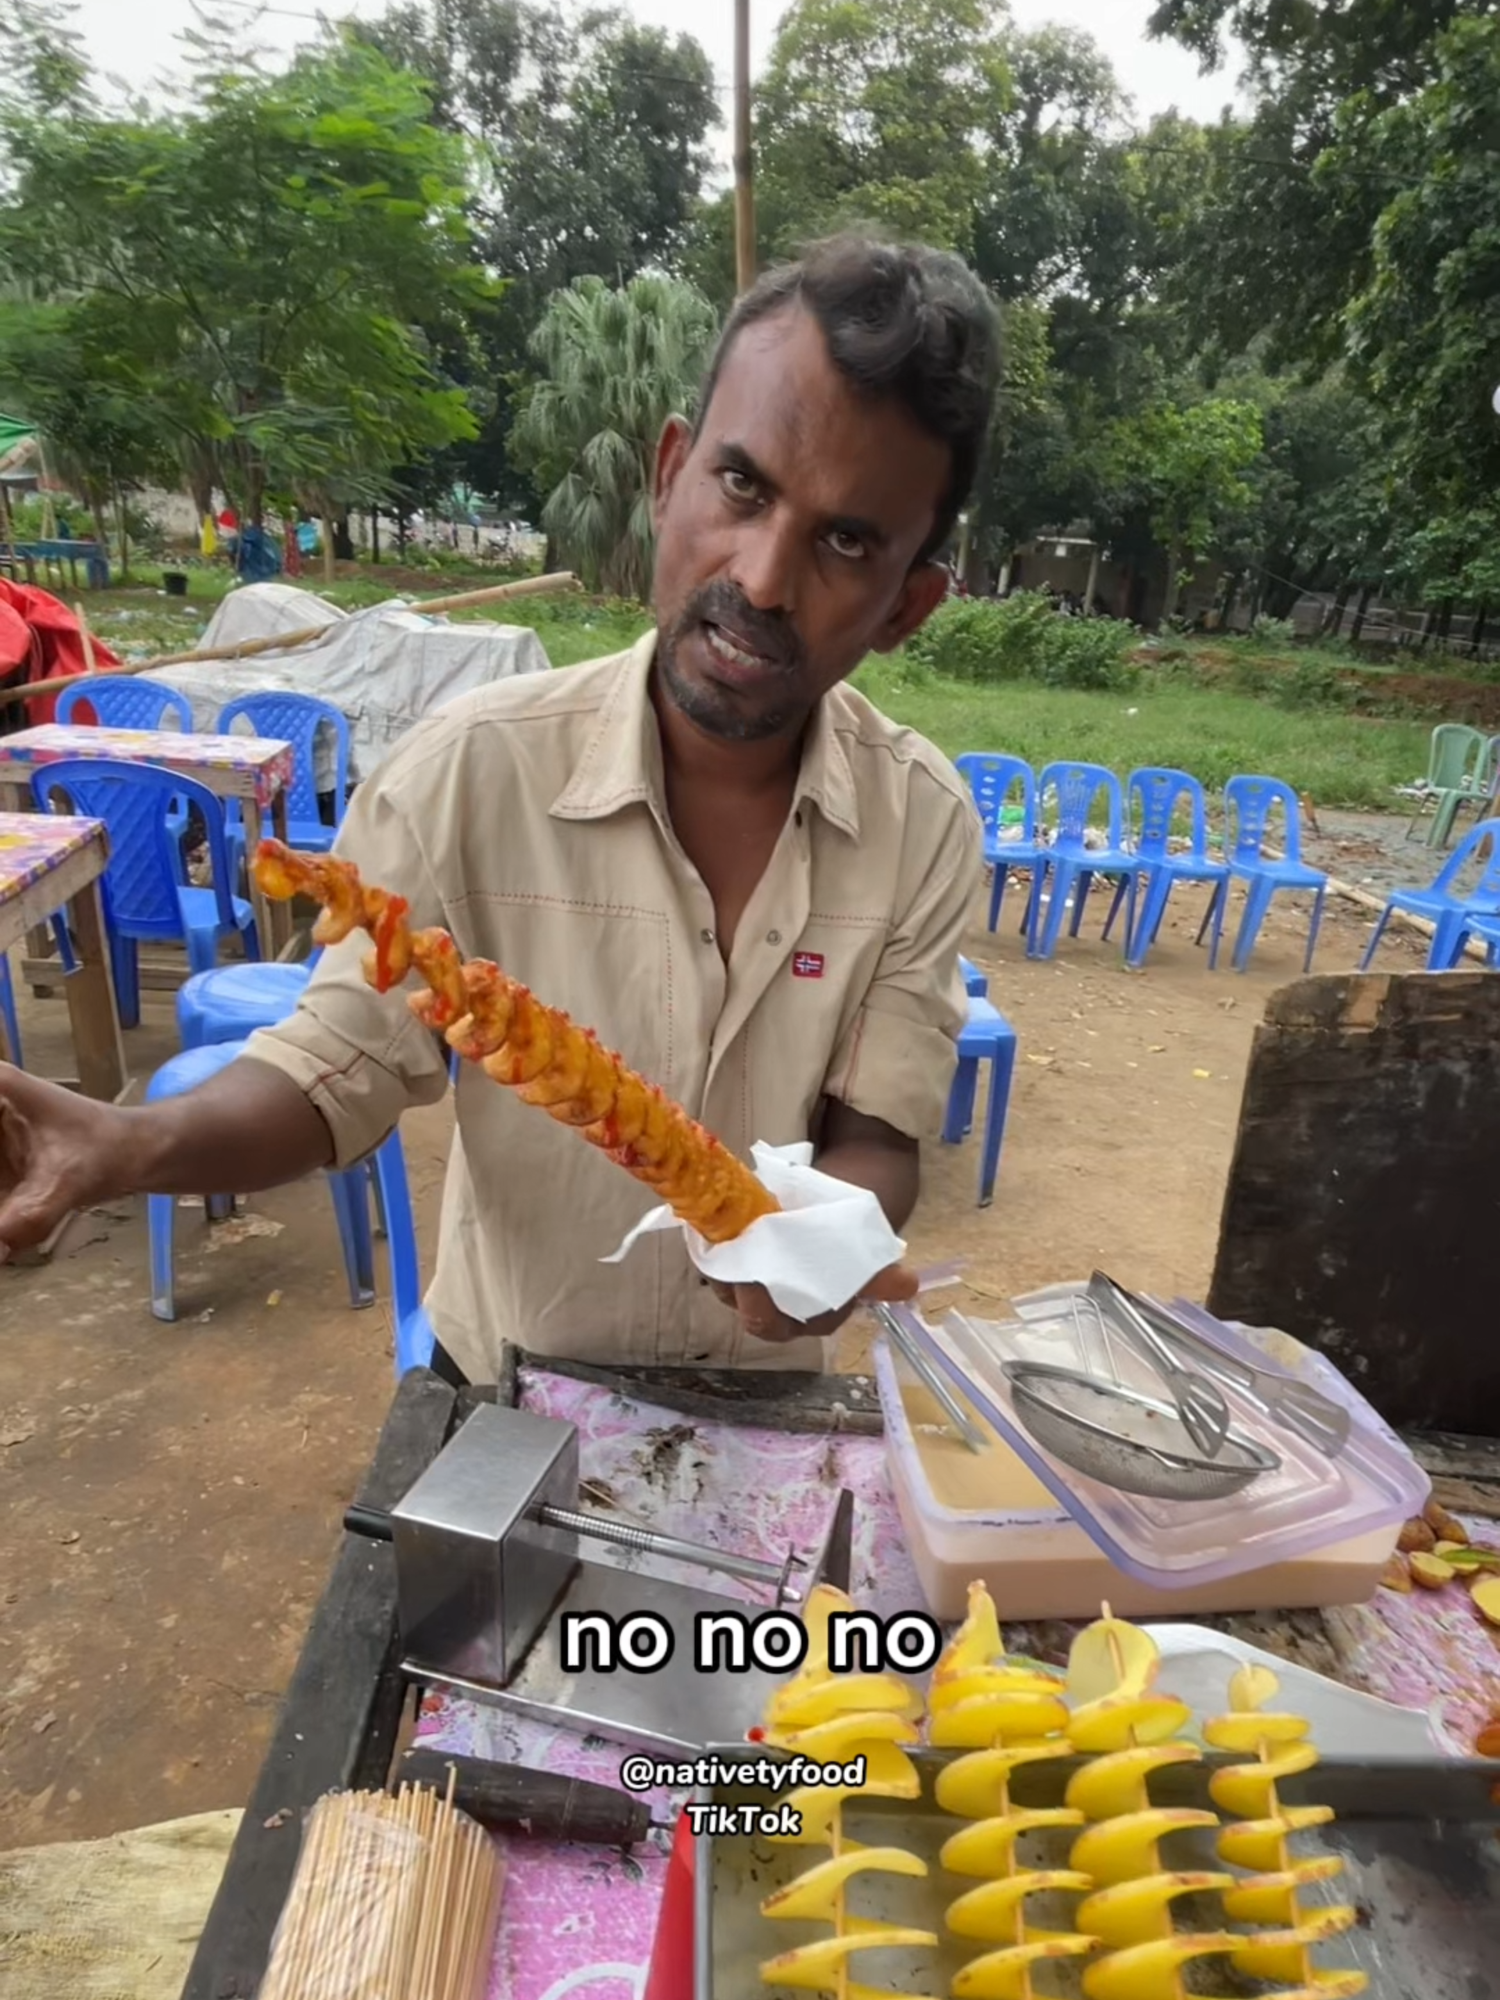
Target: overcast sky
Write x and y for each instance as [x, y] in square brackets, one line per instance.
[135, 40]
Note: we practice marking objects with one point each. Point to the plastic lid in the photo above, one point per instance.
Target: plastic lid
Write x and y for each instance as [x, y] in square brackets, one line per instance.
[1310, 1503]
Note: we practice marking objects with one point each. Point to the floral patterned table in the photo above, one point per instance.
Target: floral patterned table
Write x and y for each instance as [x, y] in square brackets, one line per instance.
[255, 770]
[46, 865]
[580, 1920]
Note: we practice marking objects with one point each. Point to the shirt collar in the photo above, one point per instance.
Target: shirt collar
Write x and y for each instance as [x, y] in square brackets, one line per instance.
[621, 764]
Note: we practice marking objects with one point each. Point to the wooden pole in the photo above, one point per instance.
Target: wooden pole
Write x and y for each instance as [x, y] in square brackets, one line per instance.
[281, 642]
[744, 176]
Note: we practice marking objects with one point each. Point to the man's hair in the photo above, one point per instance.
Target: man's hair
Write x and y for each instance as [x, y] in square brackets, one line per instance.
[903, 323]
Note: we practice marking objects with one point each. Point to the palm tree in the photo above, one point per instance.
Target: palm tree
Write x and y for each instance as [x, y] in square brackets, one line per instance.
[615, 365]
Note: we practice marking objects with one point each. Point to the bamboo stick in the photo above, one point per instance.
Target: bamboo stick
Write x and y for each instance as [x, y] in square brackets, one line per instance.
[283, 642]
[90, 665]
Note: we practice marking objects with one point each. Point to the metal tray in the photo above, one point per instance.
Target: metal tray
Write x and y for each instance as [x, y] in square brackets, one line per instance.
[1419, 1846]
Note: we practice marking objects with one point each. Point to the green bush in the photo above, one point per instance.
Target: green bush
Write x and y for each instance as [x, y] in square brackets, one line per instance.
[1021, 637]
[1314, 683]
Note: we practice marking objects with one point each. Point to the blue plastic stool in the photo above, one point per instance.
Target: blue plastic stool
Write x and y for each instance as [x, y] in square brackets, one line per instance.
[986, 1037]
[349, 1189]
[8, 1013]
[231, 1002]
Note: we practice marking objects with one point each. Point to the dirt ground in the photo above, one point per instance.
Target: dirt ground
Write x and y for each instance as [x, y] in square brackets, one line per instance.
[170, 1495]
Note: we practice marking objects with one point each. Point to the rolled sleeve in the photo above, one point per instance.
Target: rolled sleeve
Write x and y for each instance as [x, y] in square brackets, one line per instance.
[361, 1057]
[898, 1058]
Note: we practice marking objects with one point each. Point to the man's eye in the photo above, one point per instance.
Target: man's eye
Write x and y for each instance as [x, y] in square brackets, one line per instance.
[848, 546]
[739, 485]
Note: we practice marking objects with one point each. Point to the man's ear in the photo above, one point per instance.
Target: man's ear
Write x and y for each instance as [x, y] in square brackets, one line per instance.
[924, 590]
[672, 449]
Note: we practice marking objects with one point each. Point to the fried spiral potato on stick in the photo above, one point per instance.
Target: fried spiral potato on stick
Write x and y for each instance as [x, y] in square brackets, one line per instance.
[546, 1058]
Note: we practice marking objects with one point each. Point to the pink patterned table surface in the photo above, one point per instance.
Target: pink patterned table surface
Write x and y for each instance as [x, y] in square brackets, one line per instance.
[247, 767]
[33, 844]
[581, 1920]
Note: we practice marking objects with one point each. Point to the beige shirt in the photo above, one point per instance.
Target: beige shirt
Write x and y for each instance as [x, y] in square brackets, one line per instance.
[529, 819]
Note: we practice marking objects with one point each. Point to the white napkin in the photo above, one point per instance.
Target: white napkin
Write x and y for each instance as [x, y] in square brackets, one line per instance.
[815, 1254]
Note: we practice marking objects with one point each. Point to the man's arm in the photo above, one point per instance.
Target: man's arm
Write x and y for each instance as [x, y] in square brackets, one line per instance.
[320, 1090]
[872, 1154]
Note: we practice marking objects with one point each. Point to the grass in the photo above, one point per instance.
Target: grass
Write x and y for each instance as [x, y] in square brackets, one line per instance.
[1329, 755]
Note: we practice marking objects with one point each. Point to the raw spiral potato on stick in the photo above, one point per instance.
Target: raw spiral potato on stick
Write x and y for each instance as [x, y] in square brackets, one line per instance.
[546, 1058]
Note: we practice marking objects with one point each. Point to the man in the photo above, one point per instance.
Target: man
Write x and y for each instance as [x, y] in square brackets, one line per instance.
[708, 850]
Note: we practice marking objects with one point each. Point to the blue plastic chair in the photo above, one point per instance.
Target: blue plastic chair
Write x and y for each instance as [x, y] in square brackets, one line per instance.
[8, 1013]
[1485, 931]
[986, 1037]
[1153, 795]
[143, 893]
[992, 779]
[1068, 865]
[131, 701]
[1249, 804]
[294, 719]
[1448, 912]
[976, 983]
[350, 1189]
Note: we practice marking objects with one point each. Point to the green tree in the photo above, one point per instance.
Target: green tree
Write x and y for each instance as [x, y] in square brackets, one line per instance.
[1187, 467]
[614, 364]
[268, 271]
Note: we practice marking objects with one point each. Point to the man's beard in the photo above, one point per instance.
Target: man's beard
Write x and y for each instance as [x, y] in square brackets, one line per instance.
[712, 709]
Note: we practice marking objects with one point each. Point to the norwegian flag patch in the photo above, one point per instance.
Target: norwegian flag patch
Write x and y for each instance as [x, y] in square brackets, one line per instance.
[807, 965]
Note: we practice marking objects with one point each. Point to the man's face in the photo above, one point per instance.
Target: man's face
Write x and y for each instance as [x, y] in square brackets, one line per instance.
[787, 533]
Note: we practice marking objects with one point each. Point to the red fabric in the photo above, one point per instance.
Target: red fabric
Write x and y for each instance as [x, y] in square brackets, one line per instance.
[40, 641]
[670, 1974]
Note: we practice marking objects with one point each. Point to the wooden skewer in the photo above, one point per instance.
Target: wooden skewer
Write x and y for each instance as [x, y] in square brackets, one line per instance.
[283, 642]
[88, 640]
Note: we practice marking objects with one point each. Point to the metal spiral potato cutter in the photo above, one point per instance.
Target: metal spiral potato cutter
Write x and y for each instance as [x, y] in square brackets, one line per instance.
[488, 1560]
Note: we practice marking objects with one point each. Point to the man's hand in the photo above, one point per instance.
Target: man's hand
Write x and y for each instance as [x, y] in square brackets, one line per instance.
[761, 1316]
[58, 1152]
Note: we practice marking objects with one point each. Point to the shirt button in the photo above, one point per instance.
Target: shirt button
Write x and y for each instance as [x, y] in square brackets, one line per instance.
[707, 936]
[773, 937]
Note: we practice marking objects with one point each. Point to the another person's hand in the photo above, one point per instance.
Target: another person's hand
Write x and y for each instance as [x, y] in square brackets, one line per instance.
[59, 1151]
[761, 1316]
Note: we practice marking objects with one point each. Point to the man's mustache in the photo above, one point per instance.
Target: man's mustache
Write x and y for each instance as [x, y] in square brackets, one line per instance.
[719, 604]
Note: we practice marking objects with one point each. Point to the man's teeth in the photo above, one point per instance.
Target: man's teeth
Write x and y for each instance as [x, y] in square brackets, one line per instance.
[735, 655]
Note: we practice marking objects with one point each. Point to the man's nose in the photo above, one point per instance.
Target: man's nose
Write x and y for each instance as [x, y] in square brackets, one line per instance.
[767, 562]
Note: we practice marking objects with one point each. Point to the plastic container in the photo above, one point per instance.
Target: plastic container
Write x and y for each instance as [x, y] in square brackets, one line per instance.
[1049, 1544]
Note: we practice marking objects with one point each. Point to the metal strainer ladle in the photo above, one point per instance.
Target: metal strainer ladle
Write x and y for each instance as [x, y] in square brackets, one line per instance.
[1126, 1440]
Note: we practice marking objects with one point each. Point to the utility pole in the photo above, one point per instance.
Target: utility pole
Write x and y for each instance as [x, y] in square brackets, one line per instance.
[744, 182]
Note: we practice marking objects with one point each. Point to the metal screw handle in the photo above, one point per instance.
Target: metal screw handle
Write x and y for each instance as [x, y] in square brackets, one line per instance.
[648, 1542]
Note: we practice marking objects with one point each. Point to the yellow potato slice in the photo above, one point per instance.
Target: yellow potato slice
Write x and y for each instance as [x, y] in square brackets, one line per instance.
[991, 1680]
[1119, 1722]
[993, 1911]
[1251, 1687]
[815, 1895]
[1246, 1733]
[1141, 1912]
[1485, 1592]
[1152, 1971]
[976, 1643]
[817, 1807]
[1110, 1657]
[997, 1718]
[988, 1847]
[1247, 1791]
[1272, 1899]
[814, 1968]
[1282, 1955]
[803, 1704]
[1260, 1844]
[1124, 1849]
[1116, 1783]
[973, 1787]
[842, 1736]
[1006, 1975]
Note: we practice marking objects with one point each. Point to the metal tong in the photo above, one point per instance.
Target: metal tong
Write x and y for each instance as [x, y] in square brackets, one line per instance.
[1297, 1406]
[928, 1375]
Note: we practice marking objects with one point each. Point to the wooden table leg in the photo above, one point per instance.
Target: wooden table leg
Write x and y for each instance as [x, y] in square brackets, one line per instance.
[90, 992]
[273, 920]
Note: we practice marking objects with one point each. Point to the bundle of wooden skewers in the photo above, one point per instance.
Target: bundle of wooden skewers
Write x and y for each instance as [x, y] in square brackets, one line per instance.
[396, 1897]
